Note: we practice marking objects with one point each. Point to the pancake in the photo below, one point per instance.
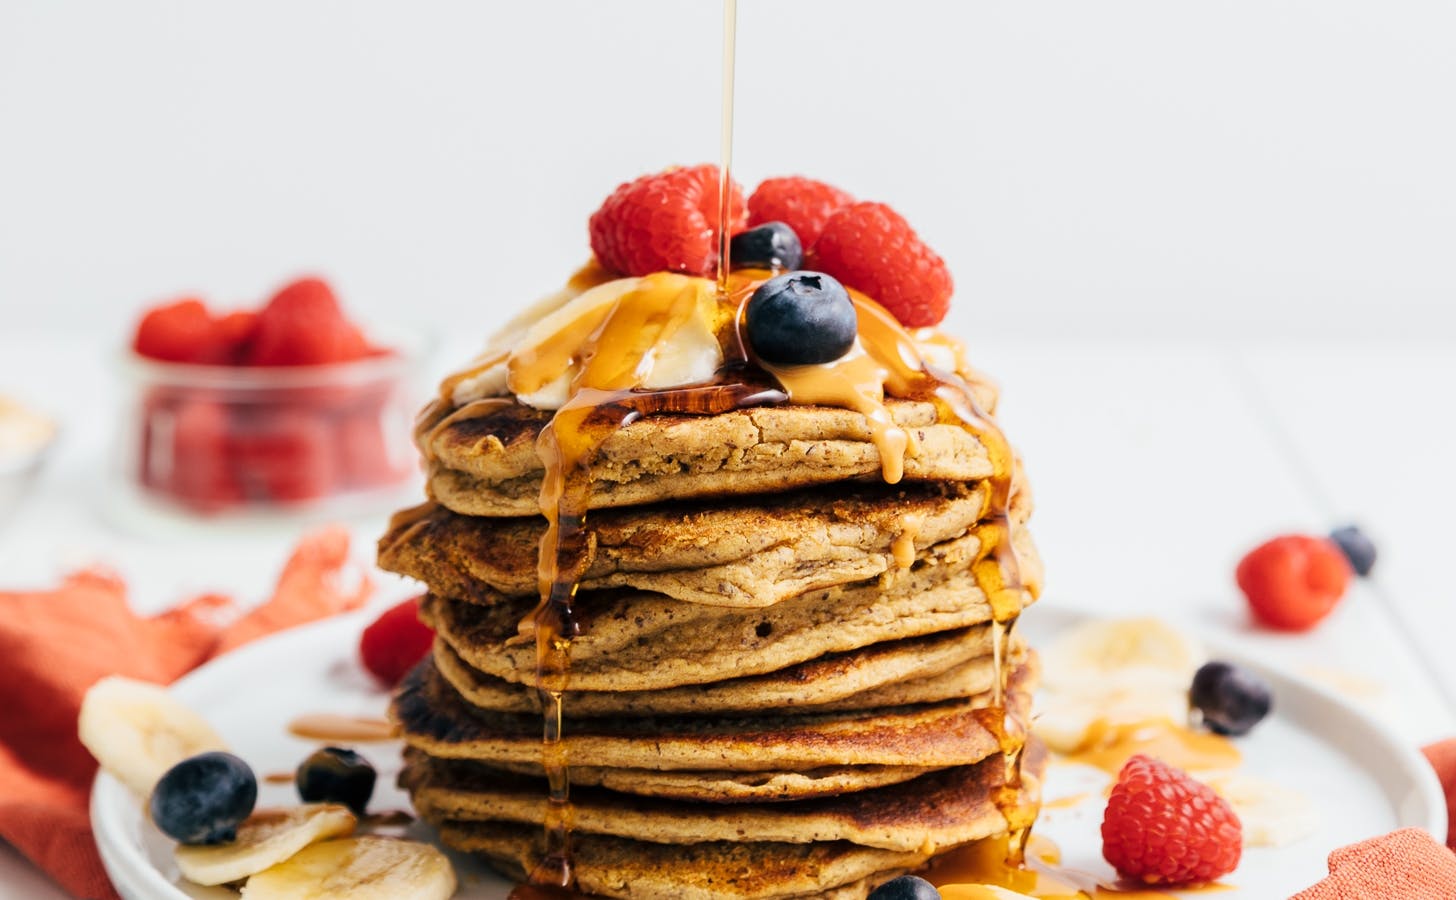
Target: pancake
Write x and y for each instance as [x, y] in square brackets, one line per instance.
[718, 870]
[731, 787]
[640, 870]
[434, 719]
[930, 813]
[483, 459]
[633, 641]
[915, 670]
[744, 551]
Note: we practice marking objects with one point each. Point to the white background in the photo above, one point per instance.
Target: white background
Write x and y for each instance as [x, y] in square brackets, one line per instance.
[1207, 246]
[1130, 168]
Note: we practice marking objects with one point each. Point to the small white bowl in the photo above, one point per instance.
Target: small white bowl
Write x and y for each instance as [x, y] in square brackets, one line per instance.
[20, 468]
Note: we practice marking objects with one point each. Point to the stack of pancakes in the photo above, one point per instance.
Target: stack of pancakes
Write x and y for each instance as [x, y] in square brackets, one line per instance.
[787, 681]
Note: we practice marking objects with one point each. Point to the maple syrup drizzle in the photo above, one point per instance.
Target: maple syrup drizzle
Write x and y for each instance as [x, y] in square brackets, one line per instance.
[612, 352]
[605, 396]
[996, 569]
[612, 347]
[1109, 745]
[332, 728]
[725, 146]
[964, 872]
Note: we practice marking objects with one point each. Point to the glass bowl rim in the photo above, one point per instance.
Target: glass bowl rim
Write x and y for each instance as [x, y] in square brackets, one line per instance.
[408, 349]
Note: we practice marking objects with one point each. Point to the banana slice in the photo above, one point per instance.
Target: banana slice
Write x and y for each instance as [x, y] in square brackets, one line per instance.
[361, 868]
[1066, 719]
[1113, 672]
[137, 731]
[1149, 647]
[267, 838]
[1272, 815]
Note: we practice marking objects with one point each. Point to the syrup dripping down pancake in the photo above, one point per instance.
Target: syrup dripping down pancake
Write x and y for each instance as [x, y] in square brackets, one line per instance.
[636, 641]
[488, 464]
[738, 551]
[927, 669]
[435, 720]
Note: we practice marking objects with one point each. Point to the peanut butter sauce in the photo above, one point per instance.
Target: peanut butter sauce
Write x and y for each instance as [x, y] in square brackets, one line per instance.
[902, 549]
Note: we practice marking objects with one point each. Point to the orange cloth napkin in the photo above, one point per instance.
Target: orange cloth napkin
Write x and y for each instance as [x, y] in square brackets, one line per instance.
[1442, 755]
[1404, 865]
[56, 644]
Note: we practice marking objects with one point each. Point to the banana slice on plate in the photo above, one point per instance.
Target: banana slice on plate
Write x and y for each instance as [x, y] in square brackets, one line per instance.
[137, 731]
[360, 868]
[1272, 815]
[1113, 672]
[1149, 647]
[267, 838]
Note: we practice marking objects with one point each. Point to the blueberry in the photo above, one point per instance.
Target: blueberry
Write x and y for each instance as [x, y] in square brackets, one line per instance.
[906, 887]
[335, 775]
[772, 245]
[1232, 699]
[203, 799]
[1358, 548]
[801, 318]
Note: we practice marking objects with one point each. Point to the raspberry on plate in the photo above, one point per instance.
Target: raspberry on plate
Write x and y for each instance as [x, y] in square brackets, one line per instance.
[871, 248]
[801, 203]
[666, 221]
[1163, 827]
[395, 642]
[1293, 582]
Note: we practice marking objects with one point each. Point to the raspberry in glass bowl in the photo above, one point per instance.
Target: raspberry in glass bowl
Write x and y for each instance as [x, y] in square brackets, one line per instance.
[289, 408]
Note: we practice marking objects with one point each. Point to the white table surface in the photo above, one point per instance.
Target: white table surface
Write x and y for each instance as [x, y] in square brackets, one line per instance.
[1155, 466]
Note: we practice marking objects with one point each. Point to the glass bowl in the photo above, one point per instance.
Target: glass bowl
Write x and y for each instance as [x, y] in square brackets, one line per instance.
[231, 442]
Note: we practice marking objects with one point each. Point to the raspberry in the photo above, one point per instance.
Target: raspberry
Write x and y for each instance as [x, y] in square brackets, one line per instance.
[182, 332]
[1162, 827]
[286, 455]
[395, 642]
[803, 204]
[303, 326]
[1293, 582]
[234, 332]
[201, 474]
[666, 221]
[869, 247]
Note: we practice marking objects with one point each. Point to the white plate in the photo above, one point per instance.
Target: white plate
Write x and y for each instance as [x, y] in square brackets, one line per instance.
[1363, 782]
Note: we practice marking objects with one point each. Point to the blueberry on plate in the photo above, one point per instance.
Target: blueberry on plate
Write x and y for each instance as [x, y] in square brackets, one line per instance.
[336, 775]
[1358, 548]
[203, 799]
[906, 887]
[801, 318]
[772, 245]
[1232, 699]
